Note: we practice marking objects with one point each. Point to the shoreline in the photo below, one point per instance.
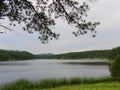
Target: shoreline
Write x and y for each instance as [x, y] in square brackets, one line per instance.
[52, 83]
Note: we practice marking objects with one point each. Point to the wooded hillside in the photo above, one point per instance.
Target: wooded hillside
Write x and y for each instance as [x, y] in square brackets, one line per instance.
[102, 54]
[6, 55]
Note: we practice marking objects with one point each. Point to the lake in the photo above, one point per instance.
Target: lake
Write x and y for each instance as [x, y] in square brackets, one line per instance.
[44, 69]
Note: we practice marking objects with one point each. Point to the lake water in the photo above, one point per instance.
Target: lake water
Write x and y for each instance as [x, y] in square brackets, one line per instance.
[44, 69]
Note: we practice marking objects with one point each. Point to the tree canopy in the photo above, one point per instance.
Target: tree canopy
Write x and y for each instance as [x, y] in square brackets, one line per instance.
[114, 53]
[39, 16]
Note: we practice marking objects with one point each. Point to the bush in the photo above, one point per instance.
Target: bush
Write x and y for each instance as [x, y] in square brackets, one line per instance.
[115, 69]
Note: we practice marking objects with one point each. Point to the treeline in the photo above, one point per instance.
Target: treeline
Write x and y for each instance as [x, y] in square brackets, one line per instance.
[6, 55]
[102, 54]
[114, 53]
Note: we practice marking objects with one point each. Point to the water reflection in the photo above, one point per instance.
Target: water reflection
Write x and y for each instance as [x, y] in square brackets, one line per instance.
[13, 63]
[86, 63]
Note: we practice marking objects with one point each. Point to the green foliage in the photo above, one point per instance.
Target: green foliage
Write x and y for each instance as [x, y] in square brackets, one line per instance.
[115, 68]
[102, 54]
[114, 53]
[114, 56]
[6, 55]
[52, 83]
[17, 85]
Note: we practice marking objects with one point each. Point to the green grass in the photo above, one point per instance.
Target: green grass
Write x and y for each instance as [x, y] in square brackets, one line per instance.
[99, 86]
[52, 83]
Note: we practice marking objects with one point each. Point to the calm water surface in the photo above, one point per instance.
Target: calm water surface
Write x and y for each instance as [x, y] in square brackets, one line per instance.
[43, 69]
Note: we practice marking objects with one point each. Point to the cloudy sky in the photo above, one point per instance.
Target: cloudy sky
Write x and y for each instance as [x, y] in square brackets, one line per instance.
[108, 36]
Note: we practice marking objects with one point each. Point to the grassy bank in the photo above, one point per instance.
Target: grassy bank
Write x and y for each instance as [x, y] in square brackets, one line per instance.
[52, 83]
[98, 86]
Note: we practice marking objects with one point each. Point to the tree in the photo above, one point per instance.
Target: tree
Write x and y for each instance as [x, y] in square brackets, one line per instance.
[38, 16]
[114, 53]
[114, 56]
[115, 68]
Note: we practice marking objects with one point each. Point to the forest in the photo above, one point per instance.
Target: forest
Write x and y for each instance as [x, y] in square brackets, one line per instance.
[6, 55]
[101, 54]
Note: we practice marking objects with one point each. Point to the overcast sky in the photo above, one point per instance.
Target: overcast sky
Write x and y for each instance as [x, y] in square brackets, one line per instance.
[108, 36]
